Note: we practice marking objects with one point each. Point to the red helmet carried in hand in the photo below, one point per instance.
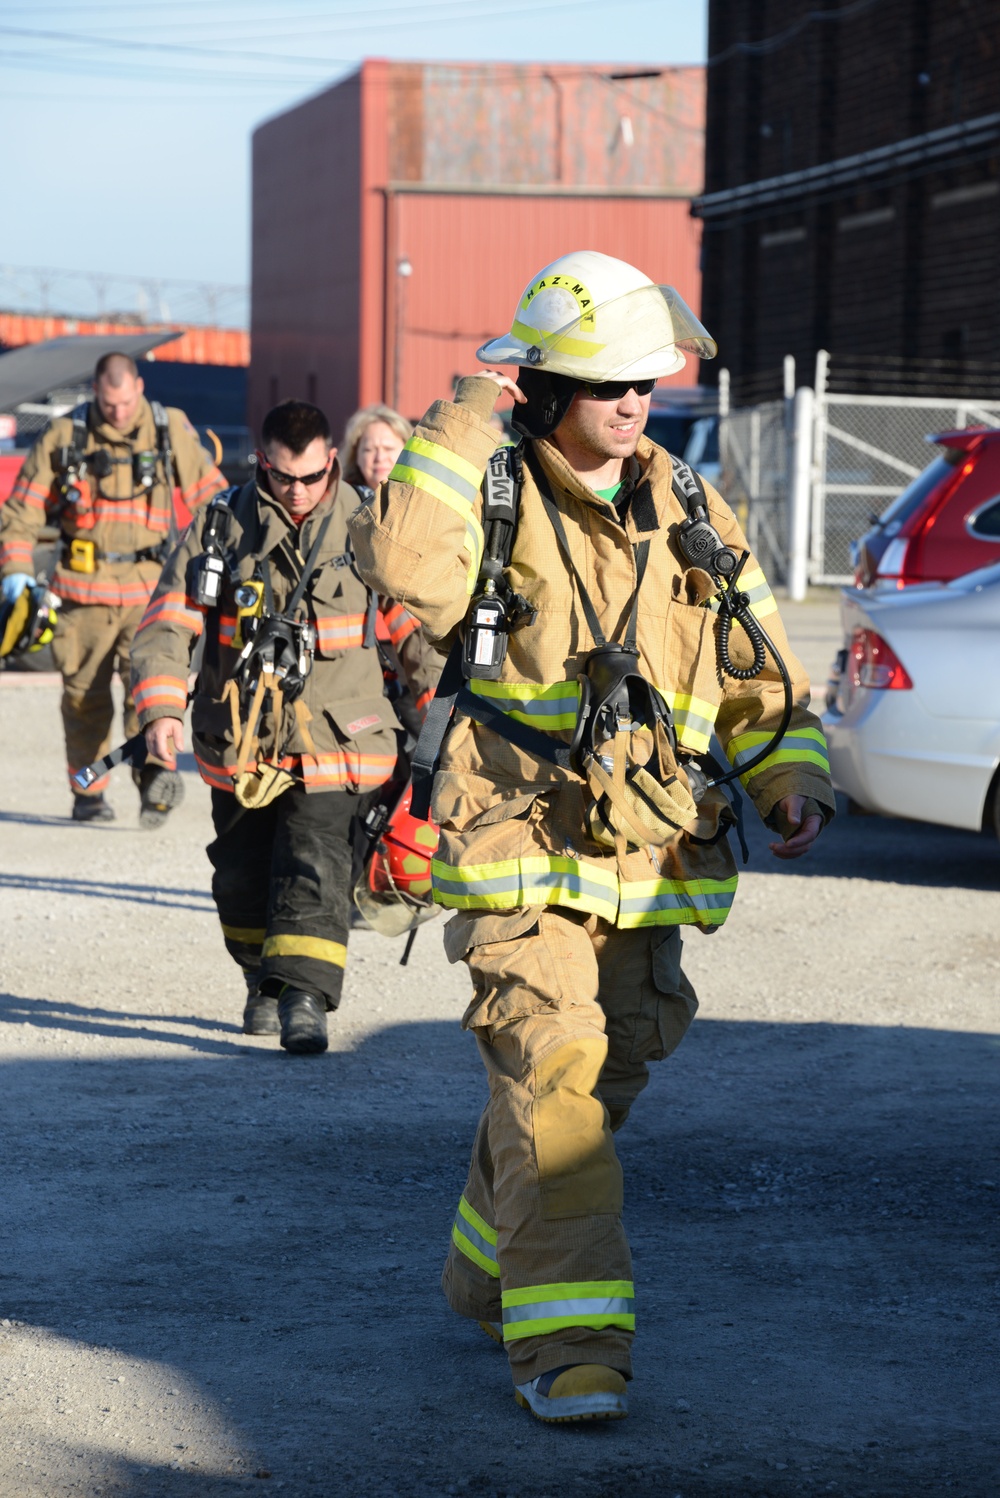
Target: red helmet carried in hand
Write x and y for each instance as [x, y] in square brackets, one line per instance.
[393, 892]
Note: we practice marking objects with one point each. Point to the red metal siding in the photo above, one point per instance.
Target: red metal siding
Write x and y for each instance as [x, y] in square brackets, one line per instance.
[331, 225]
[306, 255]
[472, 256]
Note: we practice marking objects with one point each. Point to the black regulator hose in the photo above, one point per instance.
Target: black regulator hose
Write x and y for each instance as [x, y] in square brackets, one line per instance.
[756, 637]
[762, 643]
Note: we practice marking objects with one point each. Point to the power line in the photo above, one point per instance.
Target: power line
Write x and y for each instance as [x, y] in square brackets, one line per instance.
[216, 53]
[782, 38]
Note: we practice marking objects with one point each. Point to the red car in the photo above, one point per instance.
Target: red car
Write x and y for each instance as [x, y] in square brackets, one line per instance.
[946, 523]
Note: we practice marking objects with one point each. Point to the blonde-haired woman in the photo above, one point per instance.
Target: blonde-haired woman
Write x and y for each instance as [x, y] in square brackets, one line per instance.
[373, 440]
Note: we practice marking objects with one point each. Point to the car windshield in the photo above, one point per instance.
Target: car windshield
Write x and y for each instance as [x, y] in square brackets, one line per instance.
[913, 496]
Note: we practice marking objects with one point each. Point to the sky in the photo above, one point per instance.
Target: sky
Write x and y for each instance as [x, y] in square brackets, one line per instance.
[125, 124]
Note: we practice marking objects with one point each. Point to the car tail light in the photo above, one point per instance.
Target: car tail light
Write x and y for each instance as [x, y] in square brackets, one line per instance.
[891, 566]
[873, 663]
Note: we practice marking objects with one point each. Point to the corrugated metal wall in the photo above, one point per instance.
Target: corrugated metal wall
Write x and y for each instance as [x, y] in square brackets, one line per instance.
[345, 188]
[306, 254]
[226, 346]
[472, 256]
[467, 124]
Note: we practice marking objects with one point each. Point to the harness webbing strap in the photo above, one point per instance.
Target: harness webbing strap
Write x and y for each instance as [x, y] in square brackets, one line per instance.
[590, 613]
[521, 735]
[551, 509]
[432, 733]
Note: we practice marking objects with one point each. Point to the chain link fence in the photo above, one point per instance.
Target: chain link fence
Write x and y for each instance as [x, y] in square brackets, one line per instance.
[754, 457]
[845, 456]
[868, 448]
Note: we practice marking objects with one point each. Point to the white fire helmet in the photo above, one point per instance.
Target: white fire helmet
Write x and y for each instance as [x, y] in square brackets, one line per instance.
[595, 318]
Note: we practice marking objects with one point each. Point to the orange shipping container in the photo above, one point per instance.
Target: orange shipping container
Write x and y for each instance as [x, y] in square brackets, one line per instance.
[196, 345]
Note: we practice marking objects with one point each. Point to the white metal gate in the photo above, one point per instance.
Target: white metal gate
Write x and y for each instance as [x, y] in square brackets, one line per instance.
[806, 474]
[867, 449]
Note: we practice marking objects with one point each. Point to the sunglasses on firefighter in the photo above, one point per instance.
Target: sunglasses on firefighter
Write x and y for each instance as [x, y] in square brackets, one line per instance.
[614, 390]
[286, 480]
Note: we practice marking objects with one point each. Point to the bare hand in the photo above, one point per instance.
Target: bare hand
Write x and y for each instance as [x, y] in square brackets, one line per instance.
[799, 842]
[505, 383]
[165, 740]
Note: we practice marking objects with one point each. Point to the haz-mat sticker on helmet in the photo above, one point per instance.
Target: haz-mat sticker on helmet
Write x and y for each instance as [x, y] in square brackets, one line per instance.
[576, 290]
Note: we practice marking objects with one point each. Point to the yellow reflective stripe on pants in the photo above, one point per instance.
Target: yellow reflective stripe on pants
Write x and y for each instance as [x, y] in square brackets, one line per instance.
[454, 481]
[287, 945]
[473, 1236]
[548, 706]
[541, 1309]
[547, 879]
[676, 902]
[800, 746]
[250, 935]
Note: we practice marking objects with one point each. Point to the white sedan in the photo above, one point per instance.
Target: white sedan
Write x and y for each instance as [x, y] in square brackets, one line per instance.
[914, 720]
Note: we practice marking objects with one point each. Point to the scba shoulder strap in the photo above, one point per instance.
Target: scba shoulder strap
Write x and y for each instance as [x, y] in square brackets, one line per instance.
[481, 647]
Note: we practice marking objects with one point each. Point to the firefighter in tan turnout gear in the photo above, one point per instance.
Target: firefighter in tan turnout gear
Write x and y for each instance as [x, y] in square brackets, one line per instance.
[105, 475]
[291, 728]
[580, 829]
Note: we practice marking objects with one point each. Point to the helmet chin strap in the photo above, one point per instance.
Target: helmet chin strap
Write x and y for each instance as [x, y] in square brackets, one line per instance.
[549, 397]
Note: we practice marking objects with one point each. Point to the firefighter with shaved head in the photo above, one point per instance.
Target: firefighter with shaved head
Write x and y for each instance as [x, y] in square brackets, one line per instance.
[105, 476]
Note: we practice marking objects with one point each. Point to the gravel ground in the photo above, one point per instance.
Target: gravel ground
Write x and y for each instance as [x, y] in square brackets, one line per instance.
[219, 1267]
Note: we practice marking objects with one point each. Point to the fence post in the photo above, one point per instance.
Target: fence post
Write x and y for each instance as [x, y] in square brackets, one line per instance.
[801, 494]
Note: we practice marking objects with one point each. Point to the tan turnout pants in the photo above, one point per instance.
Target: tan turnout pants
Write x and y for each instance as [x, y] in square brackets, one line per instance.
[567, 1012]
[93, 639]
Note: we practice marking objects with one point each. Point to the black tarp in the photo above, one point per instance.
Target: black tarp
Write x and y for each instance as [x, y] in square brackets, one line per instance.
[29, 373]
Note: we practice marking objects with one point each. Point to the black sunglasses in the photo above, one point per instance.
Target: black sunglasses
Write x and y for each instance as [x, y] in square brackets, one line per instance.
[613, 390]
[286, 480]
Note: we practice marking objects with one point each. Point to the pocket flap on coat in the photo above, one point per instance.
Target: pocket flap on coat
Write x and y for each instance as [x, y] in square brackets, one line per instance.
[352, 720]
[478, 928]
[210, 717]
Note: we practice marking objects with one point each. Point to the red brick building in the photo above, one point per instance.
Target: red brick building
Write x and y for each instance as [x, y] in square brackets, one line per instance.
[852, 191]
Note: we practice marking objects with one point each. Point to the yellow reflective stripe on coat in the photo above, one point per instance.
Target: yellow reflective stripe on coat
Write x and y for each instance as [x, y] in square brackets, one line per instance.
[541, 1309]
[694, 720]
[799, 746]
[759, 596]
[453, 480]
[548, 706]
[316, 947]
[473, 1236]
[545, 879]
[676, 902]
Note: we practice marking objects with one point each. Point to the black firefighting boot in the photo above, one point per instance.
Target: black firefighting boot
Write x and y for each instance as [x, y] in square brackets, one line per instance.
[303, 1022]
[260, 1013]
[92, 809]
[160, 791]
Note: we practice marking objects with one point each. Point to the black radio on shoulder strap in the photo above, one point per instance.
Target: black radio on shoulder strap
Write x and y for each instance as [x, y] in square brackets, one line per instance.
[496, 609]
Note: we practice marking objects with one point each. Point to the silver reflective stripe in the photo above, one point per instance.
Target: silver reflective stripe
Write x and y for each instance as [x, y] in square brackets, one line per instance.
[444, 475]
[614, 1305]
[669, 900]
[475, 1237]
[520, 880]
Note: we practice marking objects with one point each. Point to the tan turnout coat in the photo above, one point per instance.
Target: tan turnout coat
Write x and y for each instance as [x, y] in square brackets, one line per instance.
[125, 521]
[513, 830]
[342, 733]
